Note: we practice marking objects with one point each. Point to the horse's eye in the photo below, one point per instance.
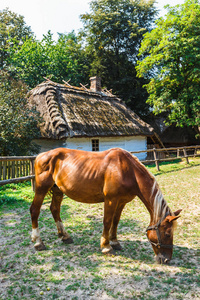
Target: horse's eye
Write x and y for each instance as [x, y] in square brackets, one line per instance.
[167, 234]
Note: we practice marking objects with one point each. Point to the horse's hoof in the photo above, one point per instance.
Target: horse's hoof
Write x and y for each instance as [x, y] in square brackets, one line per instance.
[116, 246]
[40, 246]
[67, 240]
[108, 251]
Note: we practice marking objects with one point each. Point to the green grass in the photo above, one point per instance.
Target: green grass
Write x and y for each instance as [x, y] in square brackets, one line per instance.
[79, 270]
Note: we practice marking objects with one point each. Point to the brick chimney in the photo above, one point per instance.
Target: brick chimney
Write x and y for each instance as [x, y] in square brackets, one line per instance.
[95, 84]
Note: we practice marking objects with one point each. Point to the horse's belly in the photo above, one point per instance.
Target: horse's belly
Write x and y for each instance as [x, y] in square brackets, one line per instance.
[81, 195]
[85, 198]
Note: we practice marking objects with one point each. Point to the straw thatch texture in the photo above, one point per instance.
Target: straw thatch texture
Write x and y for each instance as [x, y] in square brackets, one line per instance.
[77, 112]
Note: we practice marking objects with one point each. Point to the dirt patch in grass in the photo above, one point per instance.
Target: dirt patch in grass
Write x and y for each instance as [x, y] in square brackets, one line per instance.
[79, 270]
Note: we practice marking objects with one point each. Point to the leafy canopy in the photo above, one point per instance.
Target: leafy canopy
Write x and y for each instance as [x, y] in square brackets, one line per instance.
[172, 63]
[18, 124]
[13, 31]
[113, 32]
[61, 60]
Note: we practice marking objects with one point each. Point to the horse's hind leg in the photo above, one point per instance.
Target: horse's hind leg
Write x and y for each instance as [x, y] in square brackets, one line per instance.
[35, 211]
[109, 210]
[55, 210]
[113, 230]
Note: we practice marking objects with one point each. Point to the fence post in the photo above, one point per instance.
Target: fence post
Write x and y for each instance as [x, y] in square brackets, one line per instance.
[4, 170]
[1, 169]
[185, 155]
[32, 172]
[195, 152]
[155, 158]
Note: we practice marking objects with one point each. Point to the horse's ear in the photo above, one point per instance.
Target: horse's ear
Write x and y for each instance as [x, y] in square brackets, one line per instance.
[171, 218]
[176, 213]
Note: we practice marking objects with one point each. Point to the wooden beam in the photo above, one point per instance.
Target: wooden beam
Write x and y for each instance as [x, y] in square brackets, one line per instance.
[84, 87]
[67, 83]
[16, 180]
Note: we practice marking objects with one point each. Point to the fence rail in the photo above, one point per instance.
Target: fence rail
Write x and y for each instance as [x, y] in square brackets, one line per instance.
[14, 169]
[169, 154]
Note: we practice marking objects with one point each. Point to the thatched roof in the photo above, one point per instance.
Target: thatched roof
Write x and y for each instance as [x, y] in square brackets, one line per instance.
[76, 112]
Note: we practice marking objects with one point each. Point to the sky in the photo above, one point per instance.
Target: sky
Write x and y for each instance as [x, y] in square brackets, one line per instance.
[61, 16]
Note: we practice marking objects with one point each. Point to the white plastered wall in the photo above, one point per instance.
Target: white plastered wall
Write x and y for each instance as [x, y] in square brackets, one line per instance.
[134, 143]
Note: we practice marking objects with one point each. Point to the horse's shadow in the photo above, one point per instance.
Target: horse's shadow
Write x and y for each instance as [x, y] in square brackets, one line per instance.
[182, 256]
[88, 238]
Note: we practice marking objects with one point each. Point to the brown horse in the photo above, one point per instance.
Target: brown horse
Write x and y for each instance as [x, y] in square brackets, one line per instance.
[114, 177]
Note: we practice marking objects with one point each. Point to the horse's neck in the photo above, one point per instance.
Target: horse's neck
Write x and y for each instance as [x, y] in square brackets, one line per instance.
[152, 198]
[150, 193]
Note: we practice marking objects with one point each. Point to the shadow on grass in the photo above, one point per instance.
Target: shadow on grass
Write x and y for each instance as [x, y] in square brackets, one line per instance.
[8, 199]
[13, 193]
[175, 169]
[86, 236]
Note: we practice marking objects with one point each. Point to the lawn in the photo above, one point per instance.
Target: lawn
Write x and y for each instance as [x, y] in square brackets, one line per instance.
[79, 270]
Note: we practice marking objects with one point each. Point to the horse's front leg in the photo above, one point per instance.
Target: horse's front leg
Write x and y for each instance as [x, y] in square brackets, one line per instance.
[113, 230]
[55, 210]
[109, 210]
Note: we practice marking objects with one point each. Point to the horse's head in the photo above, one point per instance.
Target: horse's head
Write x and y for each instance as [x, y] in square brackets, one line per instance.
[160, 236]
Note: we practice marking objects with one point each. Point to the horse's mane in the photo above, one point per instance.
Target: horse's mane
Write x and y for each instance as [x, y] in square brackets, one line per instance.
[160, 207]
[159, 204]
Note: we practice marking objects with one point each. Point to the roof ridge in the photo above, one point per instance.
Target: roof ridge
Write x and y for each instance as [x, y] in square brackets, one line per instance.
[40, 88]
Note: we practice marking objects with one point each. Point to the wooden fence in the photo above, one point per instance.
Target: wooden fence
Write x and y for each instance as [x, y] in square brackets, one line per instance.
[14, 169]
[168, 154]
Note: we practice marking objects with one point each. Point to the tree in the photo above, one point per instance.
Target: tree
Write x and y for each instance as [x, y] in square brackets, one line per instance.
[13, 31]
[18, 124]
[61, 60]
[173, 64]
[113, 32]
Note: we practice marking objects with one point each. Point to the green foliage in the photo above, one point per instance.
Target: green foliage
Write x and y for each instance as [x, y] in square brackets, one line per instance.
[61, 60]
[11, 193]
[13, 31]
[173, 64]
[113, 32]
[18, 124]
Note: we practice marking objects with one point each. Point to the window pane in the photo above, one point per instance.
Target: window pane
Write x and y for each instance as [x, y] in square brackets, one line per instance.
[95, 145]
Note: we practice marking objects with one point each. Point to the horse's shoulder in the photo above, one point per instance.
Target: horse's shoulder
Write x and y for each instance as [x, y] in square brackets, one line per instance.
[119, 154]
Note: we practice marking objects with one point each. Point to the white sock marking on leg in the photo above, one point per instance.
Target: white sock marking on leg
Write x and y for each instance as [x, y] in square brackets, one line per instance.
[35, 236]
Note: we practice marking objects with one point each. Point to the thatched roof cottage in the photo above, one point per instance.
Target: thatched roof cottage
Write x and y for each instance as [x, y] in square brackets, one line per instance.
[89, 119]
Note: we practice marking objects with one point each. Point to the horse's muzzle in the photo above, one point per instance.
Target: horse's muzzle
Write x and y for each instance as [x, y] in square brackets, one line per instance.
[161, 259]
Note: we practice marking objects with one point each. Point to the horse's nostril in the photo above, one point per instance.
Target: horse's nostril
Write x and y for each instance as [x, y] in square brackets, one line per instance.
[161, 259]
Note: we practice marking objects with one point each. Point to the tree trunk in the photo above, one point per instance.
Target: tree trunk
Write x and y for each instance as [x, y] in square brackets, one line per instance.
[197, 130]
